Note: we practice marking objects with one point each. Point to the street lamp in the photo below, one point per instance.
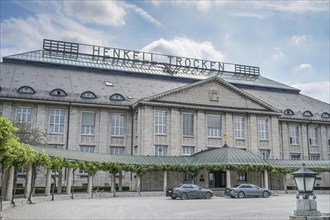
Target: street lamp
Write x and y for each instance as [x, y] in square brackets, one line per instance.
[305, 181]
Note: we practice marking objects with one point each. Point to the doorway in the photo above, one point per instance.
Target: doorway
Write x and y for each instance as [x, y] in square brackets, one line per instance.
[217, 179]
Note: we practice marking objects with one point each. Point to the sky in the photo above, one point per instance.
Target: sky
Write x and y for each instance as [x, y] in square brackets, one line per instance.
[287, 40]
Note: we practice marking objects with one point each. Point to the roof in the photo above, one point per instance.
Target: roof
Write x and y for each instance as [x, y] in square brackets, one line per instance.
[224, 155]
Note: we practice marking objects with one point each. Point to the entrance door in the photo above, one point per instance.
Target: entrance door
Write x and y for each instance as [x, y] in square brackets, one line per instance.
[217, 179]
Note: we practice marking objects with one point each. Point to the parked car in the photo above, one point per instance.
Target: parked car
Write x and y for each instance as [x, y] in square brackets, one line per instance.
[247, 190]
[190, 191]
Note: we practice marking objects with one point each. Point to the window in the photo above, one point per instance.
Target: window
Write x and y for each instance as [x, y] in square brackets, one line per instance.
[294, 135]
[24, 115]
[88, 149]
[160, 122]
[56, 121]
[160, 150]
[315, 156]
[242, 176]
[295, 156]
[188, 151]
[313, 136]
[117, 124]
[117, 97]
[263, 128]
[288, 112]
[56, 146]
[307, 114]
[328, 136]
[188, 124]
[214, 125]
[88, 95]
[58, 92]
[239, 127]
[26, 90]
[88, 123]
[264, 154]
[325, 115]
[116, 150]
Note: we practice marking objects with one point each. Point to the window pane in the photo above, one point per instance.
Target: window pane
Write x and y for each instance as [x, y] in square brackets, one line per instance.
[56, 121]
[160, 122]
[188, 124]
[263, 129]
[239, 127]
[117, 124]
[214, 125]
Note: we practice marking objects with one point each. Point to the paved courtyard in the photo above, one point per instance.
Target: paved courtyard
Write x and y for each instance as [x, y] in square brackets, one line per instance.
[161, 207]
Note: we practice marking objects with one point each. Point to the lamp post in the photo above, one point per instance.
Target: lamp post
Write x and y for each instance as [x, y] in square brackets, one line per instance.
[305, 180]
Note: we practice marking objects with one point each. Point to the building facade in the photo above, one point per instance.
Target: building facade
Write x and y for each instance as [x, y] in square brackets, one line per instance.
[112, 103]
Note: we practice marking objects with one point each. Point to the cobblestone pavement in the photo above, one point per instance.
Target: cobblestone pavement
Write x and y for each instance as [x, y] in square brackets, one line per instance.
[161, 207]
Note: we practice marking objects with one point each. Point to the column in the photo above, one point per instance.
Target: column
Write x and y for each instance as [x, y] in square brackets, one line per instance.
[113, 183]
[48, 182]
[69, 180]
[9, 183]
[89, 184]
[228, 182]
[229, 129]
[28, 180]
[59, 181]
[120, 184]
[266, 178]
[165, 181]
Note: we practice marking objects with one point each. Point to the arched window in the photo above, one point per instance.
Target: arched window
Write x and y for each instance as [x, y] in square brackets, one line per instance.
[307, 114]
[58, 92]
[117, 97]
[288, 112]
[26, 90]
[325, 115]
[88, 95]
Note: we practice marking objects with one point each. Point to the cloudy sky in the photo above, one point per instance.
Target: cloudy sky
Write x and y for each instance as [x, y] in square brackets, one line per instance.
[288, 40]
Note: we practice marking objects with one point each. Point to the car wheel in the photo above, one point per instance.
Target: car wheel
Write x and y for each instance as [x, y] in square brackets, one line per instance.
[173, 196]
[265, 194]
[241, 195]
[232, 196]
[184, 196]
[208, 195]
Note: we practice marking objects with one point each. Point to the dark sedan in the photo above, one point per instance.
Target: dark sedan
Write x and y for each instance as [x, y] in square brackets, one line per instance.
[247, 190]
[191, 191]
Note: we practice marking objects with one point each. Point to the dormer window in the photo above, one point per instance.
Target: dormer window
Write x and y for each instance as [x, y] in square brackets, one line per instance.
[307, 114]
[58, 92]
[26, 90]
[325, 115]
[88, 95]
[288, 112]
[117, 97]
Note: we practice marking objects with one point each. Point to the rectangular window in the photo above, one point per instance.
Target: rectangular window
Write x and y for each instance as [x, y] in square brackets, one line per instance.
[88, 123]
[187, 151]
[160, 150]
[24, 115]
[160, 122]
[263, 128]
[116, 150]
[88, 149]
[294, 135]
[56, 146]
[315, 157]
[56, 121]
[239, 127]
[313, 134]
[214, 125]
[264, 154]
[295, 156]
[117, 124]
[242, 176]
[328, 135]
[188, 124]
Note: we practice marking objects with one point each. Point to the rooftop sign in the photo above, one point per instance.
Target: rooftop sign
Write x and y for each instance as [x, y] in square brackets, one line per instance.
[138, 59]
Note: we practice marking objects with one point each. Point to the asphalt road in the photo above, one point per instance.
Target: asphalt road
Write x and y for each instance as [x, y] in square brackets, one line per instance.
[161, 207]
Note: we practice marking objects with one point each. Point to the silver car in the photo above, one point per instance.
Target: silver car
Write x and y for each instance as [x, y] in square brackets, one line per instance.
[191, 191]
[247, 190]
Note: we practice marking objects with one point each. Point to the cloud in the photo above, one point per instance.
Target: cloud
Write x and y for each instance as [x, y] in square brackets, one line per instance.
[293, 6]
[144, 15]
[185, 47]
[302, 67]
[278, 54]
[103, 13]
[202, 6]
[317, 90]
[298, 40]
[248, 15]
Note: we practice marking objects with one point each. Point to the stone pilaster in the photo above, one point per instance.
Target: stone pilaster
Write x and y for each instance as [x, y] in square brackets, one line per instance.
[28, 180]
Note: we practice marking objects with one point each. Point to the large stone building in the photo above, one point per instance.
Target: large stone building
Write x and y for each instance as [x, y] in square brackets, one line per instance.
[123, 102]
